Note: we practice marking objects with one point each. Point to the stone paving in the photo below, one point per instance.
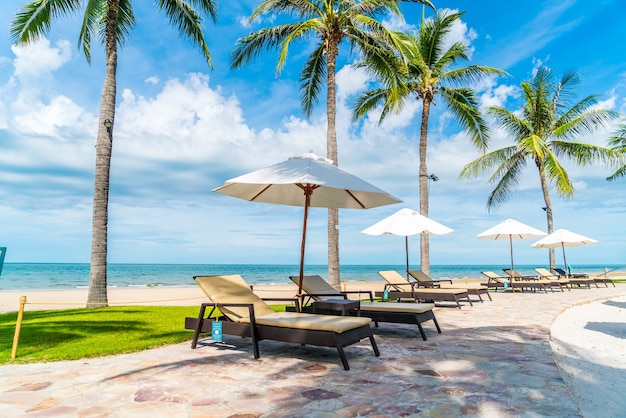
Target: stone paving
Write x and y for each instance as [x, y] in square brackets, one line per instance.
[492, 360]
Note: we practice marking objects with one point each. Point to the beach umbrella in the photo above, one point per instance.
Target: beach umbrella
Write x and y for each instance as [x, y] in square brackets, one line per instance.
[510, 229]
[306, 180]
[407, 222]
[563, 238]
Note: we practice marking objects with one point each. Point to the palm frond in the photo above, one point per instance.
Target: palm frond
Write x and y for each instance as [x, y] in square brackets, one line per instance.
[515, 126]
[33, 20]
[557, 175]
[470, 74]
[311, 79]
[585, 154]
[465, 106]
[188, 22]
[251, 45]
[487, 161]
[506, 178]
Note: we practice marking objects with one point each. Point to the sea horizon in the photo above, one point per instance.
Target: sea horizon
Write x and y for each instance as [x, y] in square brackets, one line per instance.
[66, 276]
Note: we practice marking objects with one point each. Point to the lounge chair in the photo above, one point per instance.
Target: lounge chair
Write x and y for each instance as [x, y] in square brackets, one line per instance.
[495, 281]
[585, 278]
[578, 280]
[398, 287]
[554, 279]
[245, 314]
[424, 280]
[317, 288]
[532, 282]
[514, 284]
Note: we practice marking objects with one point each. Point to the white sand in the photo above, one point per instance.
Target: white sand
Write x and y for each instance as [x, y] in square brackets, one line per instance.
[181, 296]
[589, 342]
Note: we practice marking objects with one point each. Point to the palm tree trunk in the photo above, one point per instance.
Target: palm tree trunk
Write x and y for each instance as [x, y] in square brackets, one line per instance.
[423, 186]
[548, 209]
[97, 296]
[331, 144]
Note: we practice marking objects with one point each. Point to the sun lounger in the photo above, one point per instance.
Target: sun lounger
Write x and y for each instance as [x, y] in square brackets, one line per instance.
[317, 288]
[596, 278]
[578, 280]
[554, 279]
[517, 284]
[495, 281]
[245, 314]
[398, 287]
[424, 280]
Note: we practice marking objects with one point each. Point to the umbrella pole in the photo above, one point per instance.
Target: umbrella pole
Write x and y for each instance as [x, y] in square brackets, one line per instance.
[406, 246]
[511, 246]
[565, 261]
[307, 202]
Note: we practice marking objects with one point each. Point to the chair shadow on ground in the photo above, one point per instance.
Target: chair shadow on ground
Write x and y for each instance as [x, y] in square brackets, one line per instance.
[614, 329]
[615, 303]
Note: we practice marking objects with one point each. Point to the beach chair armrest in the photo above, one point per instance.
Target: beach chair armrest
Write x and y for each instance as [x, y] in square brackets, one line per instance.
[359, 292]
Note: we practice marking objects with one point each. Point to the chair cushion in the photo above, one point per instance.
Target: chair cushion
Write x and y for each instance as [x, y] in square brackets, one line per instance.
[295, 320]
[416, 308]
[462, 285]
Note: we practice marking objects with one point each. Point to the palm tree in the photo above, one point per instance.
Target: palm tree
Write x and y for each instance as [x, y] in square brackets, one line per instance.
[618, 143]
[111, 21]
[543, 132]
[423, 69]
[329, 23]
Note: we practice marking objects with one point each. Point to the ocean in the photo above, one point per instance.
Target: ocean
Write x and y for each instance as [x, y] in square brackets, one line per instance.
[63, 276]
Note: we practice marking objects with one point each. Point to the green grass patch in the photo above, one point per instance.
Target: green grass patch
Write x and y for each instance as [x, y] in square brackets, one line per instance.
[73, 334]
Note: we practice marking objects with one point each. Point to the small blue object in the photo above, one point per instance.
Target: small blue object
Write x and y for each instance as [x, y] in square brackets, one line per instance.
[506, 285]
[386, 294]
[216, 331]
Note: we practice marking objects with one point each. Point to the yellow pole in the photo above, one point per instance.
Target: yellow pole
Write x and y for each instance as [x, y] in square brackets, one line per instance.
[18, 327]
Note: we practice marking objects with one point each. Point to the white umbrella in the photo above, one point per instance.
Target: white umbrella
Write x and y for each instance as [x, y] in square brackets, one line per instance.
[563, 238]
[306, 180]
[406, 222]
[511, 229]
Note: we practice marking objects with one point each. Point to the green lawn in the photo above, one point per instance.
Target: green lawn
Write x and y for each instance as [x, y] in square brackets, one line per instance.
[72, 334]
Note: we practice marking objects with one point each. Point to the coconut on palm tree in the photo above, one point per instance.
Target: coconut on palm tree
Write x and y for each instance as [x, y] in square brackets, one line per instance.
[328, 24]
[423, 68]
[110, 22]
[543, 132]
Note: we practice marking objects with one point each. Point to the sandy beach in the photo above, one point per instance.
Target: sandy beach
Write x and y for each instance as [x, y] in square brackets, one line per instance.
[583, 330]
[181, 296]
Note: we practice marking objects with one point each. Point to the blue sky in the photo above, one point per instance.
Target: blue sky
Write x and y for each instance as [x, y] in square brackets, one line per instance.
[182, 130]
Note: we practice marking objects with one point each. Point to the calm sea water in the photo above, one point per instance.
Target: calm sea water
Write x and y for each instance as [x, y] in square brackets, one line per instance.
[41, 276]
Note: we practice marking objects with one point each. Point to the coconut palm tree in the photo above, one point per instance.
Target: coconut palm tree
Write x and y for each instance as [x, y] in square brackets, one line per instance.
[422, 69]
[328, 23]
[543, 132]
[618, 143]
[111, 22]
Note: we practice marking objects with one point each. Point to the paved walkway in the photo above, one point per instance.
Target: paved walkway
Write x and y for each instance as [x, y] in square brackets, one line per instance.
[492, 359]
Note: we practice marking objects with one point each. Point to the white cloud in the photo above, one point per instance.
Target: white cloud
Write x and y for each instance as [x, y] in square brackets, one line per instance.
[153, 80]
[40, 59]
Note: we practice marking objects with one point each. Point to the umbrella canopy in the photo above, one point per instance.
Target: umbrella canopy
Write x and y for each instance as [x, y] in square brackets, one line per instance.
[510, 229]
[406, 222]
[306, 180]
[563, 238]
